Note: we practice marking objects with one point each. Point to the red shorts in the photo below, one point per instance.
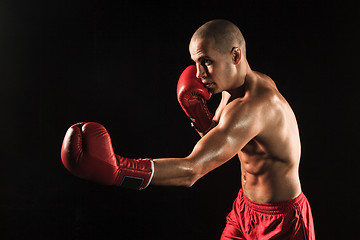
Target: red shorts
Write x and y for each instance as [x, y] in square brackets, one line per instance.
[283, 220]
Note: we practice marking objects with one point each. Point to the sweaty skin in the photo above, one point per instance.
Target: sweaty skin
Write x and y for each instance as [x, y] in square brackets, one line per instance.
[252, 121]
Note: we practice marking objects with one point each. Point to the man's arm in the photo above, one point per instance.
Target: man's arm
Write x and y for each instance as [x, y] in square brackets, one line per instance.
[201, 134]
[224, 100]
[87, 152]
[238, 124]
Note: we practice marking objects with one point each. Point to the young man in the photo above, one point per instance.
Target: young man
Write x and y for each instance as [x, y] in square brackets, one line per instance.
[253, 121]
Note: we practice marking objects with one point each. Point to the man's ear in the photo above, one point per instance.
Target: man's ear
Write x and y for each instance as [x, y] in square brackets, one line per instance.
[236, 55]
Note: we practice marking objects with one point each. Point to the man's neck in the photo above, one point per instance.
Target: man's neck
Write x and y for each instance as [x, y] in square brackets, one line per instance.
[240, 89]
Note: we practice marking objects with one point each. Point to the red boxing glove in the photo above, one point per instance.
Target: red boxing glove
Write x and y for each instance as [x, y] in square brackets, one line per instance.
[87, 153]
[192, 96]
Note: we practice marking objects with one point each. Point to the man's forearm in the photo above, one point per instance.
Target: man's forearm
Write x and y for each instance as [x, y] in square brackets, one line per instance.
[213, 124]
[174, 172]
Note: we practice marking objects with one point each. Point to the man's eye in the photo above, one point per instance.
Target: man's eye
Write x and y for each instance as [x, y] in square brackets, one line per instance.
[207, 62]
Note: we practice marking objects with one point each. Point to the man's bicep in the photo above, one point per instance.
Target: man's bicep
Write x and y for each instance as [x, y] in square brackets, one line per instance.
[219, 145]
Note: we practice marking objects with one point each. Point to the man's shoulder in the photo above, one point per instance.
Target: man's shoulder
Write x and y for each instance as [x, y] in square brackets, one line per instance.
[259, 106]
[241, 110]
[264, 94]
[263, 87]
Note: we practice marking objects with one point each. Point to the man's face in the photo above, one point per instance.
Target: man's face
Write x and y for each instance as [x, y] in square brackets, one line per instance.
[213, 68]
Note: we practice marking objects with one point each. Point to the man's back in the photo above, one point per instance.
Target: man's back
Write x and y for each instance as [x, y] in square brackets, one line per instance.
[269, 161]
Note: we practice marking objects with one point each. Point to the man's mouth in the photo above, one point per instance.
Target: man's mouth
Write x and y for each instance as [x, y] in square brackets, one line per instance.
[208, 85]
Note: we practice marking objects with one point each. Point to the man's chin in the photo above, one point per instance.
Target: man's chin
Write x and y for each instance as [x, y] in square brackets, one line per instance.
[214, 90]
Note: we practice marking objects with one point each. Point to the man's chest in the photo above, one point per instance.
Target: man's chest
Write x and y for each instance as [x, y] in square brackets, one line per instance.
[254, 158]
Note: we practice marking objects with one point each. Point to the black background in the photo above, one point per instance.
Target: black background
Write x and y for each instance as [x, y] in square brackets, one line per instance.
[117, 63]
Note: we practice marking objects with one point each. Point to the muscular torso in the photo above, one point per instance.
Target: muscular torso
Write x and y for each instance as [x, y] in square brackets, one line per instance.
[269, 162]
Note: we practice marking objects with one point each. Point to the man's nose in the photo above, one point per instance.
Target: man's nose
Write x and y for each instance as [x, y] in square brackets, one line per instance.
[200, 71]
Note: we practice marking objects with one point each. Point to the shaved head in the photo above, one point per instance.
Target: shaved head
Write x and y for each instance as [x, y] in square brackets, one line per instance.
[225, 35]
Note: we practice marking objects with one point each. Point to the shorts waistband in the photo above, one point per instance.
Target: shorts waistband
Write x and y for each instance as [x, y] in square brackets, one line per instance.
[274, 208]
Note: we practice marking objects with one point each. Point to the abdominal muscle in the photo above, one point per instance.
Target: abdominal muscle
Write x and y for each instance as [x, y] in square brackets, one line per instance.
[267, 180]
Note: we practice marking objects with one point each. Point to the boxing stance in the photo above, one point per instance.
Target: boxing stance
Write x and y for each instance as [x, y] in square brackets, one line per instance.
[252, 121]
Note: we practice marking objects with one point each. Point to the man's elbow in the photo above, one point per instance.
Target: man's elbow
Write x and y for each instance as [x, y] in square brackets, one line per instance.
[190, 181]
[194, 174]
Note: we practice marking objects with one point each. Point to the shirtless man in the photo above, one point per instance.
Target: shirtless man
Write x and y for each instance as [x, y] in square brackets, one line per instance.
[253, 121]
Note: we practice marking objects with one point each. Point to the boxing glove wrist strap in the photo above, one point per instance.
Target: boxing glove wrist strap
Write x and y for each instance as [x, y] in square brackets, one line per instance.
[200, 116]
[134, 173]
